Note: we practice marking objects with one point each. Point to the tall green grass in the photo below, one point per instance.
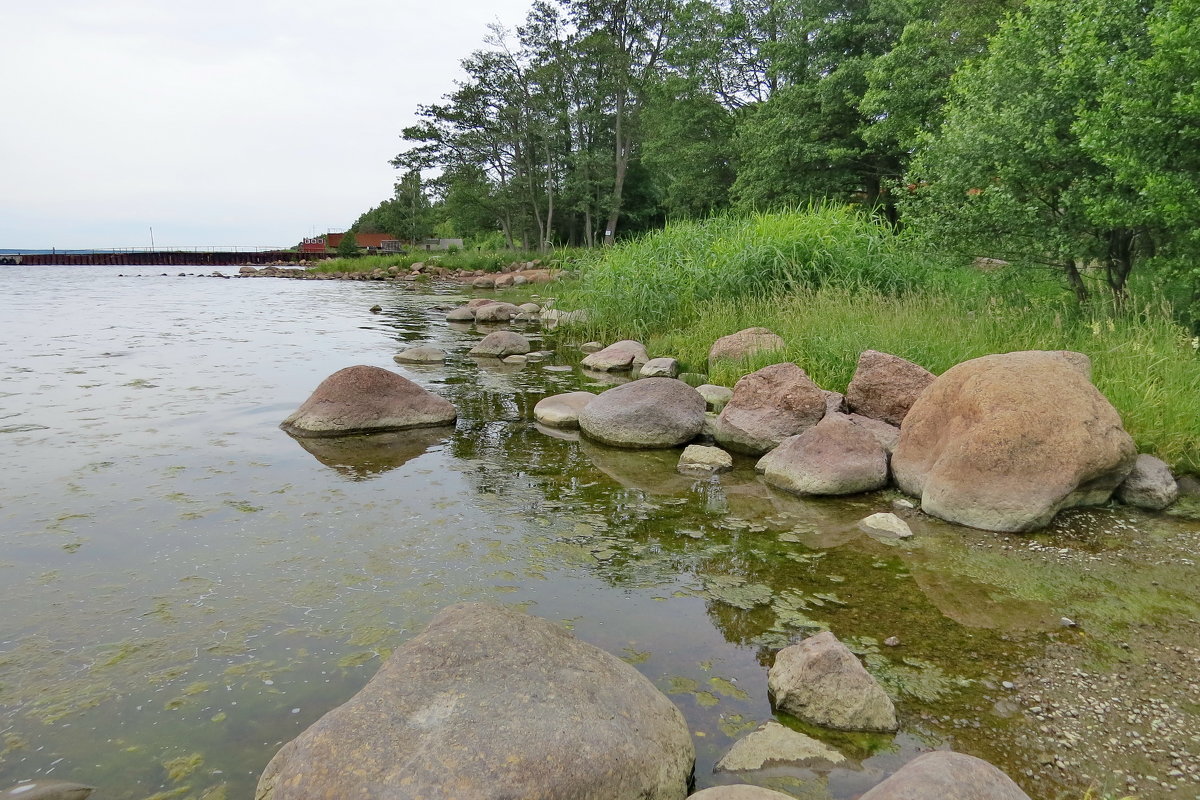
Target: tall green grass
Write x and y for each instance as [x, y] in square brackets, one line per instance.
[832, 285]
[668, 277]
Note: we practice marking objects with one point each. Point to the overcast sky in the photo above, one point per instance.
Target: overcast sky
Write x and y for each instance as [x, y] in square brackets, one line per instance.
[222, 122]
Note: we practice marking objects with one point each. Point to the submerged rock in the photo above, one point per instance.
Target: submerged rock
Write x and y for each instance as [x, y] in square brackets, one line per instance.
[767, 407]
[948, 775]
[1150, 485]
[774, 745]
[821, 681]
[884, 386]
[743, 344]
[833, 457]
[562, 410]
[885, 524]
[1004, 442]
[424, 354]
[364, 399]
[650, 413]
[47, 790]
[461, 314]
[617, 356]
[701, 460]
[500, 344]
[490, 703]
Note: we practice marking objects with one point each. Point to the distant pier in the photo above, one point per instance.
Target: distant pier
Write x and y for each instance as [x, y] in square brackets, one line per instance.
[161, 258]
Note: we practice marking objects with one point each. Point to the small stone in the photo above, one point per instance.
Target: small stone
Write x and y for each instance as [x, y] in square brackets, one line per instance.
[698, 459]
[514, 359]
[591, 347]
[376, 309]
[887, 525]
[892, 641]
[660, 368]
[1067, 622]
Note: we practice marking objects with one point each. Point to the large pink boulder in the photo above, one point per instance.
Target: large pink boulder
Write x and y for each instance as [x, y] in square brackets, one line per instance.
[743, 344]
[884, 386]
[953, 776]
[767, 407]
[1005, 442]
[365, 399]
[835, 456]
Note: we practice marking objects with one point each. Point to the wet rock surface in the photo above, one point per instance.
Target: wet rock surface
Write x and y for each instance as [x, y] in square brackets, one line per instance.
[649, 413]
[363, 399]
[492, 703]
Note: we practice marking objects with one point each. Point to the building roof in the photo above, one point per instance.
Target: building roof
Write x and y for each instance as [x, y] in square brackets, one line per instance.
[363, 239]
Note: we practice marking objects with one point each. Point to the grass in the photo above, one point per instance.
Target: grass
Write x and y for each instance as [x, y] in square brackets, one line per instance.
[681, 289]
[488, 260]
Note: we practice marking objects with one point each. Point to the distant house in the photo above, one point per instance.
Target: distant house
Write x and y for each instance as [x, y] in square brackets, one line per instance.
[438, 244]
[367, 241]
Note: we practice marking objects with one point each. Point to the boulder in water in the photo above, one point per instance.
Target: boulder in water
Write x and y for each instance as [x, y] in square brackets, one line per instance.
[364, 399]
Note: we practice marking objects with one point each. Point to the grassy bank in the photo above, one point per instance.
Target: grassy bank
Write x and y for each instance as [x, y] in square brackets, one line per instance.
[832, 286]
[488, 260]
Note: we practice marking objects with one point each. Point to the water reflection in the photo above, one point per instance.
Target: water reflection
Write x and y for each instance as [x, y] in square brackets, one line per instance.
[365, 456]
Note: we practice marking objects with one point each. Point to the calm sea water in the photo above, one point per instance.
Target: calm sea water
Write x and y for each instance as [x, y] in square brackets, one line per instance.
[185, 587]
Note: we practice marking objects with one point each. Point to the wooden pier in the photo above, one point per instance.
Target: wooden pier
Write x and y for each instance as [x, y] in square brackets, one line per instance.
[162, 258]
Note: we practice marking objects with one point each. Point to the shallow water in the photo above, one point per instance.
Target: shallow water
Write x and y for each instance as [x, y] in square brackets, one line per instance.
[186, 587]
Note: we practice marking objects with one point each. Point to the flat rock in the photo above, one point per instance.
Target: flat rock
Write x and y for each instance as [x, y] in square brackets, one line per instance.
[739, 791]
[702, 460]
[833, 457]
[591, 347]
[773, 745]
[562, 410]
[480, 302]
[424, 354]
[820, 681]
[1004, 442]
[650, 413]
[660, 368]
[364, 399]
[491, 704]
[884, 386]
[1150, 484]
[496, 312]
[886, 524]
[767, 407]
[515, 359]
[500, 344]
[461, 314]
[716, 397]
[532, 309]
[47, 789]
[943, 774]
[743, 344]
[617, 356]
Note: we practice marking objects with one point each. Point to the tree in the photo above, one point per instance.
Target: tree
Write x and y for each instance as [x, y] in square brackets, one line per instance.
[348, 246]
[1009, 175]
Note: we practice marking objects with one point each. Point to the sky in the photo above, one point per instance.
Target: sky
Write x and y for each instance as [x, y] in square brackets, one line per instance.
[217, 123]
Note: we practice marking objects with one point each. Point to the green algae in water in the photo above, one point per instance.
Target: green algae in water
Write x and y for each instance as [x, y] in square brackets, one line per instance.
[732, 590]
[727, 688]
[180, 768]
[912, 677]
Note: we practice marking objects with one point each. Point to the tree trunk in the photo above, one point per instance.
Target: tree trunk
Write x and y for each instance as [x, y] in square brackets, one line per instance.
[1119, 261]
[620, 166]
[1075, 279]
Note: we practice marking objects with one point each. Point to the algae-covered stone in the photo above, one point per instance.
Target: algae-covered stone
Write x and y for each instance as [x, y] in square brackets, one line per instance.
[364, 399]
[774, 745]
[489, 703]
[819, 680]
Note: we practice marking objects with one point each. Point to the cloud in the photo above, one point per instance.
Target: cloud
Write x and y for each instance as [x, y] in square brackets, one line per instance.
[217, 123]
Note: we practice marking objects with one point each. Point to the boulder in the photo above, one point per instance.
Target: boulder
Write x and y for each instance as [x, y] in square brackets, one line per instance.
[562, 410]
[767, 407]
[532, 309]
[500, 344]
[650, 413]
[884, 386]
[247, 270]
[773, 745]
[591, 347]
[617, 356]
[519, 280]
[702, 460]
[484, 282]
[365, 399]
[820, 681]
[887, 435]
[503, 281]
[1004, 442]
[739, 791]
[660, 368]
[490, 703]
[741, 345]
[1150, 485]
[948, 775]
[496, 312]
[833, 457]
[515, 359]
[715, 396]
[461, 314]
[835, 402]
[425, 354]
[480, 302]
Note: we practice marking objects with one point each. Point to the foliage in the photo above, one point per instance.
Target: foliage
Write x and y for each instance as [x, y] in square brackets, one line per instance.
[348, 245]
[489, 260]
